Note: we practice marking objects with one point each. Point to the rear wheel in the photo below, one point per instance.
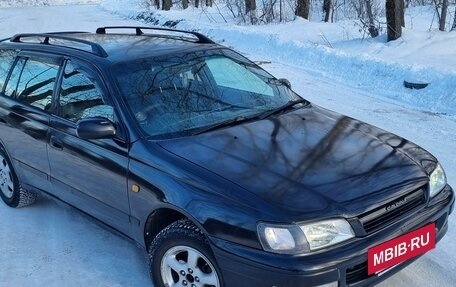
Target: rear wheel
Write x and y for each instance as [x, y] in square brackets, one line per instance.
[180, 256]
[11, 192]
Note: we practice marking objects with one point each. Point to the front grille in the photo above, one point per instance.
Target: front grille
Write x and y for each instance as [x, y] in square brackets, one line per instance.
[383, 215]
[357, 273]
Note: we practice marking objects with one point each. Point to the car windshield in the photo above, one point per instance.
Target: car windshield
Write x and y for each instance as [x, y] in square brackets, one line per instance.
[178, 96]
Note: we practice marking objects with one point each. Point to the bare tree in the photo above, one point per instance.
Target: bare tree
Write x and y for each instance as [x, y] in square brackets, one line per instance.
[303, 8]
[453, 27]
[367, 15]
[402, 9]
[441, 9]
[250, 5]
[373, 30]
[250, 10]
[443, 15]
[342, 7]
[394, 18]
[166, 5]
[327, 9]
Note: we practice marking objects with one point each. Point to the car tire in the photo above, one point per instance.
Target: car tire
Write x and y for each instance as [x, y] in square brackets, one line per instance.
[180, 255]
[11, 191]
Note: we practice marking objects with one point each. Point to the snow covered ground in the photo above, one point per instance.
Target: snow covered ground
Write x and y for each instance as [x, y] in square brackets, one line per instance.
[52, 245]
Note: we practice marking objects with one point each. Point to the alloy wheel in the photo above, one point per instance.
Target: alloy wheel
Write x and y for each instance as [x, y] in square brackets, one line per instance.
[6, 178]
[185, 266]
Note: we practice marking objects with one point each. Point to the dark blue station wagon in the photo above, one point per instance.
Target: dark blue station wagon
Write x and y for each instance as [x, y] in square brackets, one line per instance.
[222, 173]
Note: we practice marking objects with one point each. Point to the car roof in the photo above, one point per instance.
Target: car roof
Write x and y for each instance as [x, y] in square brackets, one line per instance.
[117, 47]
[120, 47]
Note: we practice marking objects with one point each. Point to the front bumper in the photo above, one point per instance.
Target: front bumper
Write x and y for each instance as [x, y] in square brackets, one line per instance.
[345, 265]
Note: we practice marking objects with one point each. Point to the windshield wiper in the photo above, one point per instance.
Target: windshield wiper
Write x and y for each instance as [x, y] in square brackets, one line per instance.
[289, 105]
[241, 119]
[227, 123]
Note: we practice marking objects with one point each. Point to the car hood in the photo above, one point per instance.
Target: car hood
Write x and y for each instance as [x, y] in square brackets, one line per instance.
[310, 162]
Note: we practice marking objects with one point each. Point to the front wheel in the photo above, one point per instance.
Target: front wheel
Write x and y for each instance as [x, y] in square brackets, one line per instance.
[180, 256]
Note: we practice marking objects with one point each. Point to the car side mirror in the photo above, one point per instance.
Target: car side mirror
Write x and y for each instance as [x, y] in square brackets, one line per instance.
[285, 82]
[95, 128]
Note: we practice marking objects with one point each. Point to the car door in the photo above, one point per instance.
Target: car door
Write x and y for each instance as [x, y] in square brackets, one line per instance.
[88, 174]
[24, 117]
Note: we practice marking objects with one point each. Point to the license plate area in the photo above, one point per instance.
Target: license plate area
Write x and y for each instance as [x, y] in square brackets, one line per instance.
[400, 249]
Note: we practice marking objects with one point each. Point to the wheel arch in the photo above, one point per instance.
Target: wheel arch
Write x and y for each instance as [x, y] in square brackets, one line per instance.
[161, 218]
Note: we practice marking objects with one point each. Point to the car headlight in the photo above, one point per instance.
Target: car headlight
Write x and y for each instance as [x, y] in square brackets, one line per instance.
[326, 233]
[284, 239]
[437, 180]
[297, 239]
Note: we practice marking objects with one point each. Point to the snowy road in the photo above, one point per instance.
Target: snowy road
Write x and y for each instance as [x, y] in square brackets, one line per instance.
[52, 245]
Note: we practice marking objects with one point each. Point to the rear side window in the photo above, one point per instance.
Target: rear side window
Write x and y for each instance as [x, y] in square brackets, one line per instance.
[81, 94]
[32, 81]
[6, 61]
[11, 86]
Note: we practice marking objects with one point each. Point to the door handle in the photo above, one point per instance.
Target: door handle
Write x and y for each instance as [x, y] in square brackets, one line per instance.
[56, 143]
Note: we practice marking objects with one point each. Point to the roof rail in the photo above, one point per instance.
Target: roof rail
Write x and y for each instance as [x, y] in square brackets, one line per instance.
[96, 49]
[67, 32]
[138, 31]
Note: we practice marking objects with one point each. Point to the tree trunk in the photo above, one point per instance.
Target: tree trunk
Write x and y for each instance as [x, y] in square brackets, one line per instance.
[394, 19]
[197, 2]
[453, 27]
[280, 10]
[373, 30]
[209, 3]
[157, 4]
[250, 5]
[443, 15]
[185, 4]
[327, 5]
[303, 9]
[166, 5]
[250, 11]
[402, 3]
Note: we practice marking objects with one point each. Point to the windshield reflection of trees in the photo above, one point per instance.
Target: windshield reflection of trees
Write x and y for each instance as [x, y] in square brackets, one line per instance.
[182, 93]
